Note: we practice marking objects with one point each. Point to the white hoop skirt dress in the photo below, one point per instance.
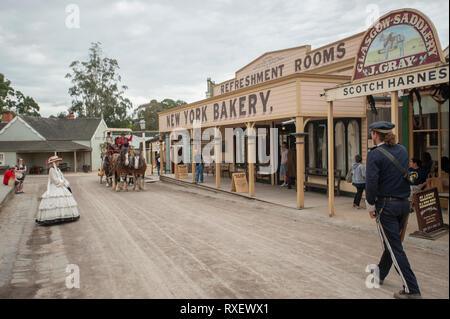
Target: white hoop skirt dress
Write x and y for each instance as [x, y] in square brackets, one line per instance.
[57, 204]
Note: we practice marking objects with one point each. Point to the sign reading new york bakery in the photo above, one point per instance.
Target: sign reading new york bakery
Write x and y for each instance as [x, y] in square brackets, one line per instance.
[257, 104]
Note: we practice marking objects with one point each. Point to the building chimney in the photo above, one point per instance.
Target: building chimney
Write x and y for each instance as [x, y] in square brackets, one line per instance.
[7, 116]
[71, 116]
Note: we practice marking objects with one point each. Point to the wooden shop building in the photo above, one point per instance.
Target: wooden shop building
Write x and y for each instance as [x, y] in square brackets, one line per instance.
[297, 91]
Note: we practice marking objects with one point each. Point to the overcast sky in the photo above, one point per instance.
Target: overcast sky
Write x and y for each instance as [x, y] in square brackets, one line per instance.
[169, 48]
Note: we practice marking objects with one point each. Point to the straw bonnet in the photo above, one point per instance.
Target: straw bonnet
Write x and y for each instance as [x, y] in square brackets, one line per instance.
[54, 158]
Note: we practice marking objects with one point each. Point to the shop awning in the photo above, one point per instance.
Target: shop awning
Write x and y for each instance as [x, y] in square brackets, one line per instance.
[41, 146]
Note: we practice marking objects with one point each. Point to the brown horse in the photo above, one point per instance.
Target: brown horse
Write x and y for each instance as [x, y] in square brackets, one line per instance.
[106, 169]
[138, 167]
[121, 169]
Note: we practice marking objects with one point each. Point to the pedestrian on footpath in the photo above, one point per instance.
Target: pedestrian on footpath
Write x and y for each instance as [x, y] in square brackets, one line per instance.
[291, 167]
[158, 163]
[10, 174]
[387, 193]
[199, 166]
[21, 171]
[358, 180]
[283, 168]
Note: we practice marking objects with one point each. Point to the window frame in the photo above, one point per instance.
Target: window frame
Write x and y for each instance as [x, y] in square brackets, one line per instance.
[316, 124]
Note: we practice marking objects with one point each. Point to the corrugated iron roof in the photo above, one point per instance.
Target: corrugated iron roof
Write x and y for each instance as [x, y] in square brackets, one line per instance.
[41, 146]
[54, 129]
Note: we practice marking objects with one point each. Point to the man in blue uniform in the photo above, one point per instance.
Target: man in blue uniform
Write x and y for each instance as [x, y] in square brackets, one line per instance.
[387, 193]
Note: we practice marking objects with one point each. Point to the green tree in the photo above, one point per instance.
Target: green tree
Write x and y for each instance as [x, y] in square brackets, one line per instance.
[96, 89]
[15, 100]
[149, 112]
[60, 115]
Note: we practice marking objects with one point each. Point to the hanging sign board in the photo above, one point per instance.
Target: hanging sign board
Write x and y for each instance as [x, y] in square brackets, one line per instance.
[182, 171]
[431, 76]
[399, 40]
[239, 183]
[429, 215]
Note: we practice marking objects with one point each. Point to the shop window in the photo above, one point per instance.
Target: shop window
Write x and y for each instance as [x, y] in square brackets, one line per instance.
[347, 143]
[2, 158]
[353, 141]
[429, 119]
[322, 161]
[339, 146]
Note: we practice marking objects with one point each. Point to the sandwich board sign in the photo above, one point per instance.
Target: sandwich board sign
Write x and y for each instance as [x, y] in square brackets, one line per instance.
[239, 183]
[182, 171]
[429, 215]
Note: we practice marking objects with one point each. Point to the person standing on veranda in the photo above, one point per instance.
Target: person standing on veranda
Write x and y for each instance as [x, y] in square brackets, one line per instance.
[199, 166]
[283, 164]
[58, 204]
[291, 167]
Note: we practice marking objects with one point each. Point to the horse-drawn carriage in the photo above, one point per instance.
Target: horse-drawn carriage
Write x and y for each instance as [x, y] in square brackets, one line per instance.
[121, 164]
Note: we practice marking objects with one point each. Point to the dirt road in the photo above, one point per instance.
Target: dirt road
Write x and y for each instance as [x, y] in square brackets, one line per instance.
[174, 242]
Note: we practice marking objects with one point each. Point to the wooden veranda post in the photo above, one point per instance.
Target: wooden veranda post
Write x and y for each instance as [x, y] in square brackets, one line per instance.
[330, 160]
[300, 151]
[251, 158]
[192, 155]
[217, 154]
[394, 113]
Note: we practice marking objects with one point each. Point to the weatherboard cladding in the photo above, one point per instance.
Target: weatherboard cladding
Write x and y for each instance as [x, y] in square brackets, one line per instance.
[55, 129]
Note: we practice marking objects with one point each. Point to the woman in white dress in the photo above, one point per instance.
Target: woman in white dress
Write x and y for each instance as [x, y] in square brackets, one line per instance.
[57, 204]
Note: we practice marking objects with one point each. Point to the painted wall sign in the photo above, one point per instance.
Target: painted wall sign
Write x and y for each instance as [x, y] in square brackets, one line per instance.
[235, 108]
[274, 67]
[253, 79]
[421, 78]
[273, 102]
[399, 40]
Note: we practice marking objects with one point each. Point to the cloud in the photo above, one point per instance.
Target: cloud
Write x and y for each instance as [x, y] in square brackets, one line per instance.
[129, 7]
[167, 49]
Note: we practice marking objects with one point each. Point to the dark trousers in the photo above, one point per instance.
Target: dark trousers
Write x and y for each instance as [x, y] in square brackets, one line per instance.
[199, 173]
[359, 191]
[392, 219]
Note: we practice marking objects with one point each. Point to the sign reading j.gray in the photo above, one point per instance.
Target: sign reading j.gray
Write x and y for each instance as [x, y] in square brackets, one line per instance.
[402, 82]
[230, 109]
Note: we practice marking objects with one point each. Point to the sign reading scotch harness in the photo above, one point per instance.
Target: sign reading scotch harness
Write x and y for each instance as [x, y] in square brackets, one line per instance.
[239, 183]
[429, 215]
[182, 171]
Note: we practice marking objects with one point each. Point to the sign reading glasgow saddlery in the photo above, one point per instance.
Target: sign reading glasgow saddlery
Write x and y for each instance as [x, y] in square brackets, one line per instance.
[399, 40]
